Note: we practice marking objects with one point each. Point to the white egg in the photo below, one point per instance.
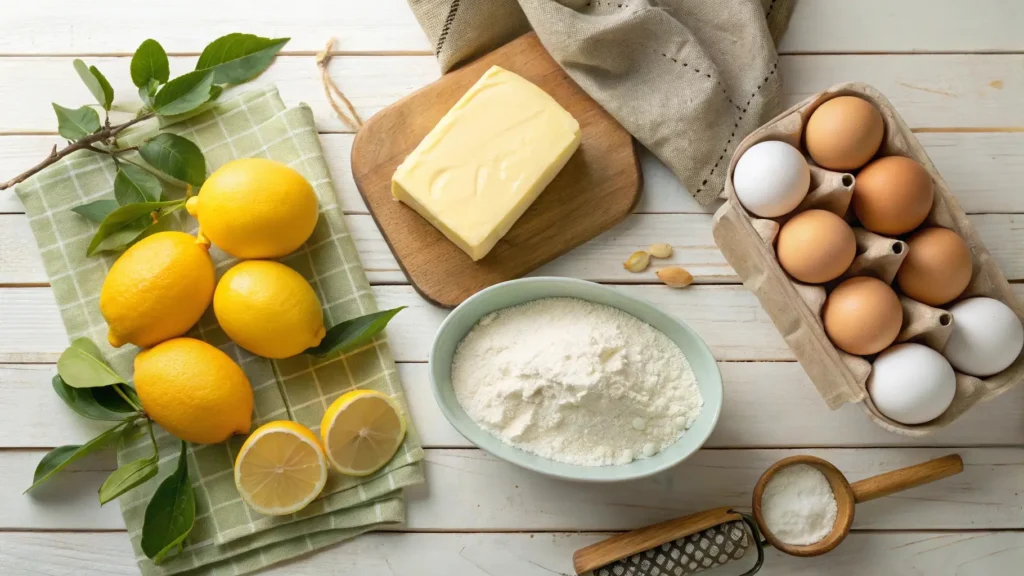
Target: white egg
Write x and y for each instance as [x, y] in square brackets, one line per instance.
[987, 337]
[771, 179]
[911, 383]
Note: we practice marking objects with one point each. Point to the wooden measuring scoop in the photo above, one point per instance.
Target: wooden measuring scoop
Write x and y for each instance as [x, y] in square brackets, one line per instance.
[848, 495]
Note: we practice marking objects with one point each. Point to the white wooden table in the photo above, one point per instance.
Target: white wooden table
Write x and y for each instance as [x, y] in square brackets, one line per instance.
[953, 68]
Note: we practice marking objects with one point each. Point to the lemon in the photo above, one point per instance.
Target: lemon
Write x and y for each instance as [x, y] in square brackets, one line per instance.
[268, 309]
[195, 391]
[361, 431]
[281, 468]
[255, 208]
[157, 289]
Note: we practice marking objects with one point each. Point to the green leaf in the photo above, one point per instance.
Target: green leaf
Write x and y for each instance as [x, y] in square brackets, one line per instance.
[170, 514]
[96, 210]
[57, 459]
[131, 475]
[82, 366]
[183, 94]
[133, 184]
[352, 334]
[238, 58]
[150, 63]
[125, 224]
[76, 124]
[175, 156]
[96, 83]
[102, 403]
[147, 91]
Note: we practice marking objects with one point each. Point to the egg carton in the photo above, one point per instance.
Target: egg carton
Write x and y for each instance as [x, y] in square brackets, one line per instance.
[747, 241]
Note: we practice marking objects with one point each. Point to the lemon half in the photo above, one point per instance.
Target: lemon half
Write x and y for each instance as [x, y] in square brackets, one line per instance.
[281, 468]
[361, 431]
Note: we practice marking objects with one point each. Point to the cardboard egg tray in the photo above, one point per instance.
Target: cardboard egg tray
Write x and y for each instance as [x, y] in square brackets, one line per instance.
[747, 241]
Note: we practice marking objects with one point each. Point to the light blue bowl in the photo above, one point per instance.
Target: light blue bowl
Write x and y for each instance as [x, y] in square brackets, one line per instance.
[466, 315]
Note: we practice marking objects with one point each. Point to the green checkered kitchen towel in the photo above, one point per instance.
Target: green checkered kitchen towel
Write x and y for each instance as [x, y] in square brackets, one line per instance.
[230, 538]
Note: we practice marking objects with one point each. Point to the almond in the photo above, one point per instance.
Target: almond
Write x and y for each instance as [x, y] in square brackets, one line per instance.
[660, 250]
[675, 277]
[637, 261]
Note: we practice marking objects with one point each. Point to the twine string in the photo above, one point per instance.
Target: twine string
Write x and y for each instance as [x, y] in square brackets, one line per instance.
[335, 97]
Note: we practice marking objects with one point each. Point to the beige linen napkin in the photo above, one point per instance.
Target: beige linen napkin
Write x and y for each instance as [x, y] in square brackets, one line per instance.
[688, 78]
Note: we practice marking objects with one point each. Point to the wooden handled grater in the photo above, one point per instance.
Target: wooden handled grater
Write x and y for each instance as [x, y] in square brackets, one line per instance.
[685, 545]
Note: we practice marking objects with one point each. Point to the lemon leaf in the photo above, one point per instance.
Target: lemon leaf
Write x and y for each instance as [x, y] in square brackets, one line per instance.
[170, 514]
[131, 475]
[175, 156]
[124, 225]
[133, 185]
[150, 63]
[353, 333]
[82, 366]
[184, 93]
[78, 123]
[237, 58]
[96, 210]
[96, 82]
[102, 403]
[59, 458]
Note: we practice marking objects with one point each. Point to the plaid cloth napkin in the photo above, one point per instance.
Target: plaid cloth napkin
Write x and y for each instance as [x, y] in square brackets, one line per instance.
[229, 537]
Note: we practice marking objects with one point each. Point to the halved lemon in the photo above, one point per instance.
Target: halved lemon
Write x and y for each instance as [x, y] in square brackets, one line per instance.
[361, 431]
[281, 468]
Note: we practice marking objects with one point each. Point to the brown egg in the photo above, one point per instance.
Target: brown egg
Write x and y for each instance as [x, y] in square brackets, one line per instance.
[862, 316]
[844, 133]
[816, 246]
[893, 195]
[937, 268]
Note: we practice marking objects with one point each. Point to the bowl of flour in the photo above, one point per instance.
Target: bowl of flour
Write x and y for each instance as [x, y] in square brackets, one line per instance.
[575, 380]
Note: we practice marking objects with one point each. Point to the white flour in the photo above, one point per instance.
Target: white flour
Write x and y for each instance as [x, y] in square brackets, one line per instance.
[576, 382]
[798, 505]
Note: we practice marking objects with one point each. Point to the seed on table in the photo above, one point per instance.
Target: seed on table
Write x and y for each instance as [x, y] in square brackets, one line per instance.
[675, 277]
[637, 261]
[660, 250]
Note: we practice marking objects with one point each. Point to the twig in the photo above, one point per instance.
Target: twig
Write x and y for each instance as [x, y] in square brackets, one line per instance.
[334, 94]
[83, 144]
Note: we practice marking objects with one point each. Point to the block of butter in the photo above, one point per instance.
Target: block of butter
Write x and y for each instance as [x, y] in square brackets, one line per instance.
[487, 160]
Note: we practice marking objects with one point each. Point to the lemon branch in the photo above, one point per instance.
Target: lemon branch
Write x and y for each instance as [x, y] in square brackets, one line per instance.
[105, 135]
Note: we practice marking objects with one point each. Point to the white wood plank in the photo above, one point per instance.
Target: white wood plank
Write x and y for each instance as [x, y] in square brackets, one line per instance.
[469, 490]
[543, 554]
[905, 26]
[729, 319]
[56, 27]
[982, 169]
[930, 91]
[759, 395]
[599, 260]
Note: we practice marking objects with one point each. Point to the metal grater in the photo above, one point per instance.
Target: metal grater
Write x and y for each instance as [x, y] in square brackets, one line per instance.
[709, 548]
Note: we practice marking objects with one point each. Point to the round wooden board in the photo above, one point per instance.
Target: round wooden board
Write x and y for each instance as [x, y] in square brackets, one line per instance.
[596, 189]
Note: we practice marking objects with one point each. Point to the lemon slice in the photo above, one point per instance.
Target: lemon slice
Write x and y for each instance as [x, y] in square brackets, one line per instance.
[361, 431]
[281, 468]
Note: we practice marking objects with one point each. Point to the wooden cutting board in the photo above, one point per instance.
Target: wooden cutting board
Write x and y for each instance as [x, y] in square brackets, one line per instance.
[596, 189]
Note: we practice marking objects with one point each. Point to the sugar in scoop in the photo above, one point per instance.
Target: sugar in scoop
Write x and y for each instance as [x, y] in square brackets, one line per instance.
[798, 505]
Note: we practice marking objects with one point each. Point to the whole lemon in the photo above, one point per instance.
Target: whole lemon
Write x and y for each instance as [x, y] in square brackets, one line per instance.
[255, 208]
[157, 289]
[268, 309]
[195, 391]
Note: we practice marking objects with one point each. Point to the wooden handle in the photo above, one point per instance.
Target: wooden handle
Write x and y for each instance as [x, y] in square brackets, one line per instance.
[907, 478]
[624, 545]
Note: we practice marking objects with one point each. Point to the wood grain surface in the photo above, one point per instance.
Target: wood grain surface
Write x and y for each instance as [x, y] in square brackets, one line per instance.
[597, 188]
[954, 69]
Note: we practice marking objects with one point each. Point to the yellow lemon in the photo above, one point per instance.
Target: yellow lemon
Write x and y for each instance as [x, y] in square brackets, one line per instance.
[361, 431]
[195, 391]
[255, 208]
[268, 309]
[157, 289]
[281, 468]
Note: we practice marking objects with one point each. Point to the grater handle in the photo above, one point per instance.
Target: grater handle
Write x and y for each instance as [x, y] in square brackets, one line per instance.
[624, 545]
[907, 478]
